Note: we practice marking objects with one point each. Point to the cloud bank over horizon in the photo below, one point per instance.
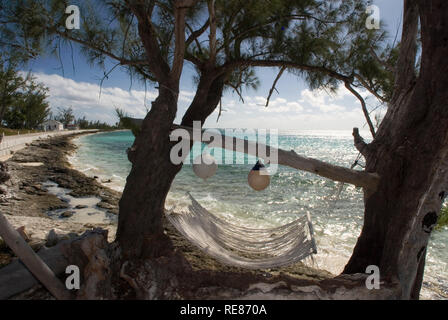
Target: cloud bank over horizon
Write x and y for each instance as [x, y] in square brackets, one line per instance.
[306, 110]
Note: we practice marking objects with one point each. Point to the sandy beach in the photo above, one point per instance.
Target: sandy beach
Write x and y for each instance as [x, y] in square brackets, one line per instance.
[45, 193]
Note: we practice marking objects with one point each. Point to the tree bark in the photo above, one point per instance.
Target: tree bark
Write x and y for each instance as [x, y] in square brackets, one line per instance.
[410, 153]
[140, 230]
[143, 199]
[206, 99]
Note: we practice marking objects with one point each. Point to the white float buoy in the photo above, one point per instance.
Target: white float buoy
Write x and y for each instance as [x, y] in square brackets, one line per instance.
[204, 166]
[258, 177]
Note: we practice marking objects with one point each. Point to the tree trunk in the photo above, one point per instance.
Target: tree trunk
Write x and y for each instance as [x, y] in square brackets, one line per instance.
[2, 113]
[410, 153]
[207, 97]
[143, 199]
[140, 230]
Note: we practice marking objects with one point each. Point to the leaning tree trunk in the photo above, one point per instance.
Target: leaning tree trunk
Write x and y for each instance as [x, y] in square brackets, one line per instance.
[143, 199]
[140, 230]
[410, 153]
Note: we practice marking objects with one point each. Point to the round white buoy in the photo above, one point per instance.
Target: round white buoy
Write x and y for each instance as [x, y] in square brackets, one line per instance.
[258, 177]
[204, 166]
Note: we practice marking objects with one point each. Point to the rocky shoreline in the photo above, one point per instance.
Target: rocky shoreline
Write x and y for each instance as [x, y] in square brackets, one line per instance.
[26, 202]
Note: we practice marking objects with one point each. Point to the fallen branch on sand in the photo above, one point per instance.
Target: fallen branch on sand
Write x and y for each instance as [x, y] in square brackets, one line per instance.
[15, 278]
[32, 261]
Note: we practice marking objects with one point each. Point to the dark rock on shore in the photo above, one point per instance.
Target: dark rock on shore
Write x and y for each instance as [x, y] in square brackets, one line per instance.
[29, 197]
[105, 205]
[4, 175]
[57, 207]
[67, 214]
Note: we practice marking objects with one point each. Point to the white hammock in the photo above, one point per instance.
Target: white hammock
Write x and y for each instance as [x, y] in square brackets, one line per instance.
[245, 247]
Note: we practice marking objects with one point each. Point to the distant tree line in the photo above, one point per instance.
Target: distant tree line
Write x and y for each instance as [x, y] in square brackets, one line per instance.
[443, 218]
[83, 123]
[24, 105]
[23, 102]
[67, 117]
[125, 121]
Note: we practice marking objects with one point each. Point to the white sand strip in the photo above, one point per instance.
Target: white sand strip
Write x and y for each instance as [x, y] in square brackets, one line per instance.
[11, 144]
[38, 228]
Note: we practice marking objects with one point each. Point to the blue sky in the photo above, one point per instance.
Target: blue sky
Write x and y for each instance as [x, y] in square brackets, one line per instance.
[295, 107]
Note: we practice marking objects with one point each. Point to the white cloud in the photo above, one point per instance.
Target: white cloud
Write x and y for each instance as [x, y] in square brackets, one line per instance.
[314, 98]
[323, 101]
[309, 110]
[86, 100]
[186, 96]
[327, 107]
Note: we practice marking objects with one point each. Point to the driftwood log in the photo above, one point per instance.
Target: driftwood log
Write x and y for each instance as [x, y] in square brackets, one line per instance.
[32, 261]
[16, 278]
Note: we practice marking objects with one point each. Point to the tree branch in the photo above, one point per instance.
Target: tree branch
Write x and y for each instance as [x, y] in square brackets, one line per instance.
[212, 36]
[364, 108]
[368, 87]
[195, 39]
[360, 144]
[30, 53]
[247, 30]
[179, 42]
[106, 76]
[281, 63]
[146, 75]
[220, 110]
[235, 88]
[196, 34]
[121, 60]
[288, 64]
[405, 70]
[381, 62]
[32, 261]
[126, 35]
[293, 160]
[274, 85]
[191, 58]
[157, 64]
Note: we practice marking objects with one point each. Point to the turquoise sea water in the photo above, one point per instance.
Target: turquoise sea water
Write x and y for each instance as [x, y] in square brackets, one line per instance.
[291, 193]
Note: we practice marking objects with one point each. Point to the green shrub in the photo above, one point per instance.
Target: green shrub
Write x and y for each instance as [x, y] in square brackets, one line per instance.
[443, 218]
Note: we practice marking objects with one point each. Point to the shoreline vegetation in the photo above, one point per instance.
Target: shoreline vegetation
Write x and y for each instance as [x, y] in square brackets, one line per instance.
[27, 202]
[443, 218]
[13, 132]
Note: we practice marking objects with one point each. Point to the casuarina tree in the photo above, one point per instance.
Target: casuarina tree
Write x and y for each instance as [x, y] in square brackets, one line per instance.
[324, 42]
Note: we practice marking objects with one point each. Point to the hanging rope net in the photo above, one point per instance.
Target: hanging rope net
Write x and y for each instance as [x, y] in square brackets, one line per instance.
[245, 247]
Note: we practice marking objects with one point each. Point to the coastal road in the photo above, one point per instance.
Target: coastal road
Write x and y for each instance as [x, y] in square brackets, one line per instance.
[11, 144]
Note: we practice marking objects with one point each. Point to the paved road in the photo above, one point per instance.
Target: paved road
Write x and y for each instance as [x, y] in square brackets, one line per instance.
[17, 142]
